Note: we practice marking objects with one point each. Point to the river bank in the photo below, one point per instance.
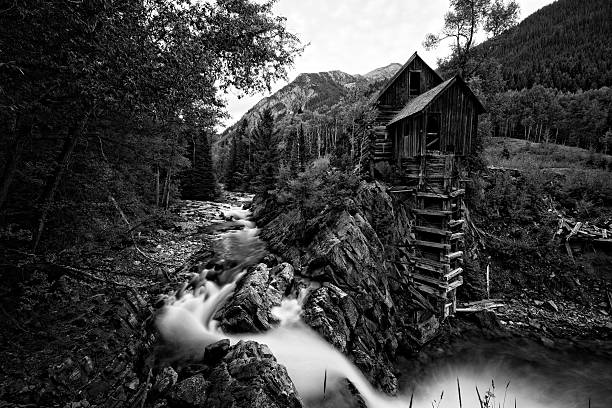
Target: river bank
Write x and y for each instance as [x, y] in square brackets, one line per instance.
[78, 337]
[528, 350]
[73, 322]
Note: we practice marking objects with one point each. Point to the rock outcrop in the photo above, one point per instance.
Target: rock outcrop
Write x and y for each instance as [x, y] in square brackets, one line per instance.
[349, 250]
[247, 376]
[249, 309]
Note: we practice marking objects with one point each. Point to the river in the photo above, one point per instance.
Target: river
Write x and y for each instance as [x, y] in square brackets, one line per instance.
[538, 376]
[511, 372]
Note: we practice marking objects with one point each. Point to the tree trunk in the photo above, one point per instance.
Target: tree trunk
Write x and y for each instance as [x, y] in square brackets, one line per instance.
[54, 181]
[12, 161]
[169, 181]
[529, 133]
[157, 185]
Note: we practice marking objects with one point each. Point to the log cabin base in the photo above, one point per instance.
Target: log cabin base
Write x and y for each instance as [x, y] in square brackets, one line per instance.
[433, 258]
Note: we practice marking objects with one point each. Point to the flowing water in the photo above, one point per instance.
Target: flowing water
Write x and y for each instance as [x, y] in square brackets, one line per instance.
[518, 369]
[186, 323]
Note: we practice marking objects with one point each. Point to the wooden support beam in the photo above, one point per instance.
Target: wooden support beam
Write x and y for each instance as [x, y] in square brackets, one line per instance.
[432, 244]
[452, 274]
[430, 230]
[455, 223]
[457, 235]
[428, 194]
[439, 213]
[457, 192]
[431, 265]
[450, 257]
[437, 291]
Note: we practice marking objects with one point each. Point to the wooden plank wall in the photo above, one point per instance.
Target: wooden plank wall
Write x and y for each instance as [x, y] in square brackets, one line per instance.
[398, 94]
[458, 117]
[458, 125]
[407, 137]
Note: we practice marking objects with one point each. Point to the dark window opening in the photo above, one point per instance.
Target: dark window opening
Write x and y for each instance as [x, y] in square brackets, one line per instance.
[415, 82]
[432, 139]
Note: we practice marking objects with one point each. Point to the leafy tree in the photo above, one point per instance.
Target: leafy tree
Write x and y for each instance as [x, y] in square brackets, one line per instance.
[319, 188]
[465, 20]
[130, 79]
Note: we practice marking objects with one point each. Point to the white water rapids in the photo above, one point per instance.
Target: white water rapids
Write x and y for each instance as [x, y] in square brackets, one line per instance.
[186, 323]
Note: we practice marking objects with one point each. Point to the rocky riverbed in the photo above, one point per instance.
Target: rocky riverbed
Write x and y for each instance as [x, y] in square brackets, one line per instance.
[94, 310]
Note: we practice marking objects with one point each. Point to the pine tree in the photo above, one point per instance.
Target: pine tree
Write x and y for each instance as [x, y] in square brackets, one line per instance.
[265, 154]
[237, 164]
[198, 182]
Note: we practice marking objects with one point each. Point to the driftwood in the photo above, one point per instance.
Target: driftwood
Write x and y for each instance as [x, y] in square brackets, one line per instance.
[487, 304]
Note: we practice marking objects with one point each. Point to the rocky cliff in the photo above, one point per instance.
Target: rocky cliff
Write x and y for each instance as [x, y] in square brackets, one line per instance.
[362, 302]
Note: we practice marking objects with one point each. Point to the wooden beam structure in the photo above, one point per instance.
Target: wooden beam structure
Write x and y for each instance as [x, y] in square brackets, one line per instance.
[436, 251]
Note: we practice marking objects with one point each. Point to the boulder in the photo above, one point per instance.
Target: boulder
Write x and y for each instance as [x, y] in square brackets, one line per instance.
[247, 376]
[256, 293]
[213, 353]
[190, 393]
[332, 313]
[250, 376]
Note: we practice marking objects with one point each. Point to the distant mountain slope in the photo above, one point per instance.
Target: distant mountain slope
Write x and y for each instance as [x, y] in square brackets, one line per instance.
[311, 92]
[383, 73]
[566, 45]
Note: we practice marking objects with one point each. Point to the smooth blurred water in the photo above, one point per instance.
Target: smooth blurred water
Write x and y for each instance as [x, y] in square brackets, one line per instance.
[538, 377]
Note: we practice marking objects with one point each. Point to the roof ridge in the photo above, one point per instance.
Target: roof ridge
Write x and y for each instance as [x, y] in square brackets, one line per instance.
[400, 71]
[422, 101]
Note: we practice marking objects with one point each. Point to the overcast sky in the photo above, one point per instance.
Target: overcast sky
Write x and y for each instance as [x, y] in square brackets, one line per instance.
[357, 36]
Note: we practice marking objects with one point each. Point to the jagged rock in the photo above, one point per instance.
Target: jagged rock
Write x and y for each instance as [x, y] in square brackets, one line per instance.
[282, 277]
[190, 393]
[346, 248]
[332, 313]
[249, 376]
[213, 353]
[249, 310]
[487, 321]
[165, 379]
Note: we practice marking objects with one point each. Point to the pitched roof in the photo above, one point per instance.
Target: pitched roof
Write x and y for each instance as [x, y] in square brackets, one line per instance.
[422, 101]
[399, 72]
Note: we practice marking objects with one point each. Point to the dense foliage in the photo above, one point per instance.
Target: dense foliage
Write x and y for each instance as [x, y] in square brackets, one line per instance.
[301, 135]
[540, 114]
[198, 182]
[99, 100]
[565, 45]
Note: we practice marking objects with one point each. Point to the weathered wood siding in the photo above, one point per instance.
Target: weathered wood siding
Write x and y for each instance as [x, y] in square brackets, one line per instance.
[458, 125]
[458, 119]
[398, 93]
[408, 137]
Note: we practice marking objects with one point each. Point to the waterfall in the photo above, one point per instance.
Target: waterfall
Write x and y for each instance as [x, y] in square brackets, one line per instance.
[186, 324]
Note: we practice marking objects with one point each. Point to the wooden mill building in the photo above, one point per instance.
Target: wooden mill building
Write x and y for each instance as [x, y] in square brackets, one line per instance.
[424, 127]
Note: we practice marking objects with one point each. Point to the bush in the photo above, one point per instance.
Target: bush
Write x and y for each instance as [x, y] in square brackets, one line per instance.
[319, 188]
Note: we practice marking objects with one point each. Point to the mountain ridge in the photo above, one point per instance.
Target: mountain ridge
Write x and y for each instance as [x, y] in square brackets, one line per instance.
[311, 91]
